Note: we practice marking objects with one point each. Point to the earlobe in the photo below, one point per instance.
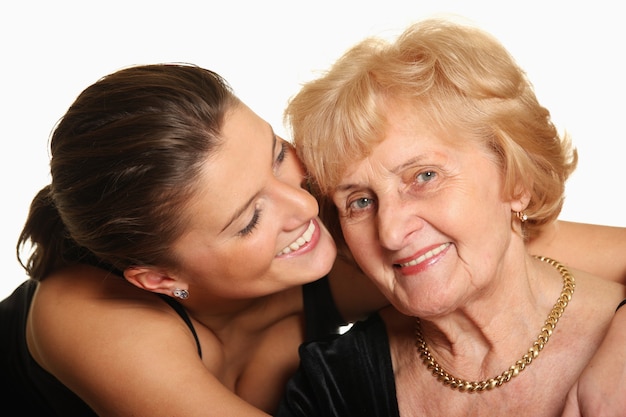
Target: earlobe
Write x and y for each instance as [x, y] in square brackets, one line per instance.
[520, 203]
[151, 279]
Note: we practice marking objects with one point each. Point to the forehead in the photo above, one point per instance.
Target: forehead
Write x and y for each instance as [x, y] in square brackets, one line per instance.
[414, 126]
[394, 117]
[411, 141]
[405, 134]
[238, 170]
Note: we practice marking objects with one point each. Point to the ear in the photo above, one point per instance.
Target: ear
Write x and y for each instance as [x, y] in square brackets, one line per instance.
[153, 280]
[521, 199]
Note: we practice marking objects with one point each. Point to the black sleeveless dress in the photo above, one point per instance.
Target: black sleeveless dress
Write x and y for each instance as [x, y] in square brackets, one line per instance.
[347, 376]
[32, 391]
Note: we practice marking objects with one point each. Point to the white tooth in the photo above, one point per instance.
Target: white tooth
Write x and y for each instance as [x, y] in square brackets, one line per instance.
[427, 255]
[306, 237]
[309, 232]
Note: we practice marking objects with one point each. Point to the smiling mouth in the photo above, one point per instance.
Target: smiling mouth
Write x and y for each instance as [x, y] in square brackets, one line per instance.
[425, 256]
[302, 240]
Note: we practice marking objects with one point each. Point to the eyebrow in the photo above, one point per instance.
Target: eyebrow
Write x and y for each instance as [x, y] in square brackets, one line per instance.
[347, 187]
[344, 188]
[245, 206]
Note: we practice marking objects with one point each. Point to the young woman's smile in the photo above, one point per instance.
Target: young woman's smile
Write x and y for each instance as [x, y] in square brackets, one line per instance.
[304, 243]
[256, 231]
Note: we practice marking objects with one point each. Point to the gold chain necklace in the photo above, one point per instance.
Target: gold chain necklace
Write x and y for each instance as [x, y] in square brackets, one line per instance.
[546, 331]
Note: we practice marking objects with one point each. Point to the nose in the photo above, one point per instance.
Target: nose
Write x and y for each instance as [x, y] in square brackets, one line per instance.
[396, 221]
[297, 202]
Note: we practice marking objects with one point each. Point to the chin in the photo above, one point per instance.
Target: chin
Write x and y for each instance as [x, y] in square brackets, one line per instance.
[321, 264]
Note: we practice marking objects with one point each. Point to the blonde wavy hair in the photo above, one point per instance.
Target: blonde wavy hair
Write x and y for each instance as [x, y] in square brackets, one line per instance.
[458, 77]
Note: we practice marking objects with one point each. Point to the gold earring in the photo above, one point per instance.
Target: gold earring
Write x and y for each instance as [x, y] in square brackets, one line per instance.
[521, 216]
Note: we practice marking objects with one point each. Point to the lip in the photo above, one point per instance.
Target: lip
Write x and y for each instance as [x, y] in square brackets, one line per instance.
[308, 246]
[431, 255]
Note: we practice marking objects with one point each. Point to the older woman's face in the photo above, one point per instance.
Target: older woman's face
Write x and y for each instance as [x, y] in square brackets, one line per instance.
[424, 217]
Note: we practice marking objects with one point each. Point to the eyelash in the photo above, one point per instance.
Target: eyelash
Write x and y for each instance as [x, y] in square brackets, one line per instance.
[352, 209]
[284, 150]
[253, 223]
[257, 212]
[425, 176]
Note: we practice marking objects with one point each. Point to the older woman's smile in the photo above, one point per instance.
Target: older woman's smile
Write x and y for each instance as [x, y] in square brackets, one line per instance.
[421, 258]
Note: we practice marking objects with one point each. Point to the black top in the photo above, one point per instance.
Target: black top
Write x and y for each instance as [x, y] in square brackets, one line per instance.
[347, 376]
[25, 384]
[34, 391]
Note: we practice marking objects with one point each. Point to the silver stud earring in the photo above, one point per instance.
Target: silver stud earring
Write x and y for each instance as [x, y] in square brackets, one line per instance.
[521, 216]
[182, 294]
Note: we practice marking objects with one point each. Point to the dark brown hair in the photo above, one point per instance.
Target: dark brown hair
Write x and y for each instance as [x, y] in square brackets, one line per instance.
[124, 160]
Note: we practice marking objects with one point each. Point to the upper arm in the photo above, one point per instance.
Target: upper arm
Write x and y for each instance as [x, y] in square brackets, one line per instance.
[598, 249]
[125, 357]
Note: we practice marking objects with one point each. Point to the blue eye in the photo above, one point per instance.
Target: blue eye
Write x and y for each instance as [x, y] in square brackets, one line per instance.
[425, 176]
[361, 203]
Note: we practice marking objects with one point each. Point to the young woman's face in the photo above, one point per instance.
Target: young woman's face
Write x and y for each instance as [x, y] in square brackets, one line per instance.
[254, 230]
[424, 216]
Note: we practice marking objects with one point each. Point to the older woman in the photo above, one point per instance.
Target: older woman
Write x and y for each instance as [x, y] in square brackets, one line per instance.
[440, 165]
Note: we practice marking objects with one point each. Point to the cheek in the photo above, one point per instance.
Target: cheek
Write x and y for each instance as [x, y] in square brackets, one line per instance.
[361, 239]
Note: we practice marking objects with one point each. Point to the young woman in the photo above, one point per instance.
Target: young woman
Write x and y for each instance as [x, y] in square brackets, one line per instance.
[176, 258]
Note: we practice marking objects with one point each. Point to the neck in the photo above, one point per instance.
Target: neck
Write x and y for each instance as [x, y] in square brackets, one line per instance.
[228, 317]
[476, 346]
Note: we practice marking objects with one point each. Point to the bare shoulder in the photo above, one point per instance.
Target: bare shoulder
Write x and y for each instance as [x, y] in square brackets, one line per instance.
[100, 336]
[595, 298]
[82, 307]
[588, 316]
[594, 248]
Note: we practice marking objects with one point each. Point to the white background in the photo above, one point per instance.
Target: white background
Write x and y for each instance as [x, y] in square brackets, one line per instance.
[52, 50]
